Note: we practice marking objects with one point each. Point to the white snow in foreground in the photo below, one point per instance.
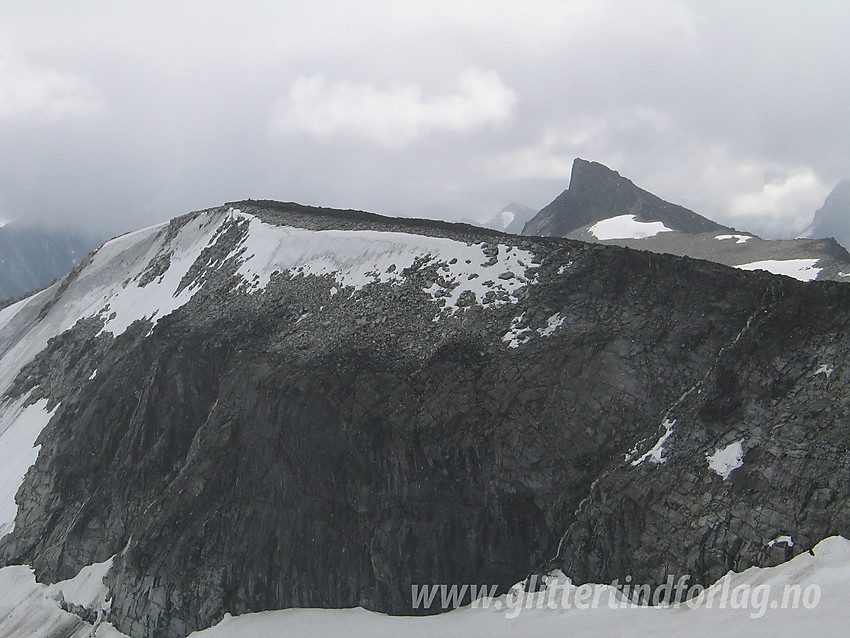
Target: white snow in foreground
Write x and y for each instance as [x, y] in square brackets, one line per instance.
[828, 570]
[825, 370]
[86, 589]
[31, 610]
[28, 611]
[844, 274]
[802, 269]
[552, 324]
[357, 258]
[626, 227]
[724, 461]
[741, 239]
[19, 428]
[781, 540]
[656, 453]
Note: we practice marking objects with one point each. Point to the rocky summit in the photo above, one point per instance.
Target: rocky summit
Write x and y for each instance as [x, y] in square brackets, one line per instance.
[267, 405]
[596, 193]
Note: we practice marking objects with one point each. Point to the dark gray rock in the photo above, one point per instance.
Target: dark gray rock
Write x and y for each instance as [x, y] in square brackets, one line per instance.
[779, 391]
[597, 193]
[298, 448]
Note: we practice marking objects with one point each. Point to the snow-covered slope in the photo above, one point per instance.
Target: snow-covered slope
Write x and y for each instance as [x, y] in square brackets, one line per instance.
[802, 259]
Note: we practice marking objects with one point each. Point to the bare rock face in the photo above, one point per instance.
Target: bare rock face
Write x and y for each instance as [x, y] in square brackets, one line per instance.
[757, 451]
[300, 442]
[597, 193]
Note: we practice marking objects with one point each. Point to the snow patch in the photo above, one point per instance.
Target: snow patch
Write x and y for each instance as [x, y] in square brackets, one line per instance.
[724, 461]
[26, 612]
[656, 453]
[565, 267]
[506, 218]
[86, 589]
[517, 336]
[802, 269]
[29, 609]
[741, 239]
[824, 369]
[358, 258]
[781, 540]
[626, 227]
[19, 429]
[552, 324]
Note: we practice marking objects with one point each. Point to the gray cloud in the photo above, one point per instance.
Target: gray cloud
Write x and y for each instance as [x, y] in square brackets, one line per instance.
[116, 116]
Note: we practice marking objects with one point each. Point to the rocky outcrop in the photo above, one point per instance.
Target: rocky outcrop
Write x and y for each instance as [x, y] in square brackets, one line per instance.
[308, 443]
[758, 453]
[597, 193]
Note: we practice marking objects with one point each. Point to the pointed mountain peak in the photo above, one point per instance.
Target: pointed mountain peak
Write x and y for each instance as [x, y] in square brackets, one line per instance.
[511, 219]
[590, 175]
[597, 193]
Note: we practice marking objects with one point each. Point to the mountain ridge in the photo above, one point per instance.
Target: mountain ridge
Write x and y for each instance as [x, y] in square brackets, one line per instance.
[265, 394]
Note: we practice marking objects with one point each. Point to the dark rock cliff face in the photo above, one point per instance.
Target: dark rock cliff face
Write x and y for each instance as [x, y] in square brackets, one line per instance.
[308, 447]
[596, 193]
[777, 391]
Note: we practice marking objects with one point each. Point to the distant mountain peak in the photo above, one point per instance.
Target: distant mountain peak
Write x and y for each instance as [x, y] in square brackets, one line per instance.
[833, 218]
[511, 219]
[597, 193]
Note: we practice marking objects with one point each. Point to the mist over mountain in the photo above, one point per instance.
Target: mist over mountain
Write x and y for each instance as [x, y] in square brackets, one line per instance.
[833, 218]
[32, 257]
[511, 219]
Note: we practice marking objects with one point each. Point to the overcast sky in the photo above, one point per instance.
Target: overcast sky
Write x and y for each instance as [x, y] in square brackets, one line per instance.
[116, 115]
